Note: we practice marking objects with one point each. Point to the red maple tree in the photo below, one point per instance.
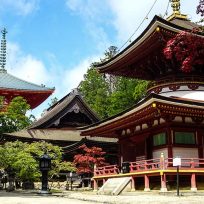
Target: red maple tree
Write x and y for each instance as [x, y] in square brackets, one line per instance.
[187, 48]
[91, 156]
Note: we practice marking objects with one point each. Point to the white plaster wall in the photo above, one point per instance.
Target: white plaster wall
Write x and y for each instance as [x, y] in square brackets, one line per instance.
[157, 153]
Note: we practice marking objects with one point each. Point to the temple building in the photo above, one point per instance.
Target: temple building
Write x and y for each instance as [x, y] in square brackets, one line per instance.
[11, 86]
[168, 122]
[61, 122]
[60, 125]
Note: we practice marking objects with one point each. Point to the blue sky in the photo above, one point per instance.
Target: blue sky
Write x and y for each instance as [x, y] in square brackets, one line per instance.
[53, 42]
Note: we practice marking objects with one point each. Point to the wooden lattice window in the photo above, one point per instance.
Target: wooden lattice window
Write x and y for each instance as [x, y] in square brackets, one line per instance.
[185, 138]
[159, 139]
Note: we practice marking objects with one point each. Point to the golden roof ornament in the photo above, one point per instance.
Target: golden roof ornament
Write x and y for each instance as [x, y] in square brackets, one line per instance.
[175, 4]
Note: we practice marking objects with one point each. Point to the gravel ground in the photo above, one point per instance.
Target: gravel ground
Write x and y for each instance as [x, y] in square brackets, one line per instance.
[23, 197]
[147, 198]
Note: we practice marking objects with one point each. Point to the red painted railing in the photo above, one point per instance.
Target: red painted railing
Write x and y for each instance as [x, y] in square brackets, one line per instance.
[106, 170]
[144, 165]
[193, 163]
[152, 164]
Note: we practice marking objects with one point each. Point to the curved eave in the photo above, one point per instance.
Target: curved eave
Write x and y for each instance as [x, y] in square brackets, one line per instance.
[113, 64]
[142, 112]
[34, 97]
[27, 91]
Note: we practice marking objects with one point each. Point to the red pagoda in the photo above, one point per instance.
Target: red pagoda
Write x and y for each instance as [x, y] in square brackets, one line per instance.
[11, 86]
[167, 123]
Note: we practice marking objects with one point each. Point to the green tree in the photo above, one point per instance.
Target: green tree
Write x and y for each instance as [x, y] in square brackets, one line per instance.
[13, 117]
[94, 88]
[53, 101]
[108, 95]
[23, 158]
[127, 92]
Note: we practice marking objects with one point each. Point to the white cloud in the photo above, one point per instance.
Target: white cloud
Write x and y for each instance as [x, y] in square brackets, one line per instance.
[25, 66]
[126, 16]
[73, 76]
[96, 16]
[20, 7]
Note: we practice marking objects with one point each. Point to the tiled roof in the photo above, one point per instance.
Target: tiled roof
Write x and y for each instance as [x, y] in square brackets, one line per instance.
[56, 111]
[8, 81]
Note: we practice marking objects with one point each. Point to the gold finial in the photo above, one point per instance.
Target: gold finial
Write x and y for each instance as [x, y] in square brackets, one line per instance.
[175, 4]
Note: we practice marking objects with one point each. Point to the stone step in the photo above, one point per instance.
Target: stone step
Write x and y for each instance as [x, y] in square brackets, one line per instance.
[115, 186]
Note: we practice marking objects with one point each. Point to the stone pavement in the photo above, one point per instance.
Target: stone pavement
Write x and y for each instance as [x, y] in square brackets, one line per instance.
[138, 197]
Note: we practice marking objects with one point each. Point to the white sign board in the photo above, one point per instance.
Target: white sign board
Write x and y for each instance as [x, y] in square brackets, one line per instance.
[177, 161]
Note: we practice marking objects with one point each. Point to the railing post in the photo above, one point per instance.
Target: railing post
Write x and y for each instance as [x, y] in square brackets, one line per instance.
[162, 165]
[163, 183]
[193, 182]
[192, 163]
[145, 165]
[146, 180]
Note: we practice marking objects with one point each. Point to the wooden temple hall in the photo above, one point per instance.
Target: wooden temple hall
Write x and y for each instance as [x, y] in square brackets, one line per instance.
[167, 123]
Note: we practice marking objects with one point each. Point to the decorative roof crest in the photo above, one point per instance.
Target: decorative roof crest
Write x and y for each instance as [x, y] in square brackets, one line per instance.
[175, 4]
[3, 51]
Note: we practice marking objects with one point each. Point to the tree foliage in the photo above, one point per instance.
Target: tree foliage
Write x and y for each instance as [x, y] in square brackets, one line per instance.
[88, 158]
[13, 117]
[200, 8]
[23, 158]
[108, 95]
[126, 93]
[187, 48]
[95, 91]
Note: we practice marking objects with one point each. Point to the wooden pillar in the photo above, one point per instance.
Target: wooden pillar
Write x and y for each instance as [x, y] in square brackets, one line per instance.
[121, 154]
[104, 180]
[193, 182]
[163, 183]
[95, 184]
[146, 181]
[132, 184]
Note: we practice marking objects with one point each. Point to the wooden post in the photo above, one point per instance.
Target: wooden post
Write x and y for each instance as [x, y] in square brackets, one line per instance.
[95, 184]
[163, 183]
[94, 169]
[193, 182]
[146, 181]
[132, 184]
[104, 180]
[162, 166]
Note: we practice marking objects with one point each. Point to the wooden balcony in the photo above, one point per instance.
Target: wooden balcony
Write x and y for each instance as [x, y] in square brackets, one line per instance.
[154, 167]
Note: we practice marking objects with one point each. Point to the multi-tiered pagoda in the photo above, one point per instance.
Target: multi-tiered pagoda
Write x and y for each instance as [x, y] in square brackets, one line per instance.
[169, 121]
[11, 86]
